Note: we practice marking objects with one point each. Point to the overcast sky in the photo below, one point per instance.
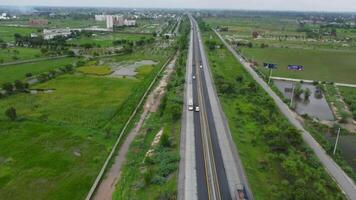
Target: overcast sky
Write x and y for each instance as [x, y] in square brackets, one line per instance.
[303, 5]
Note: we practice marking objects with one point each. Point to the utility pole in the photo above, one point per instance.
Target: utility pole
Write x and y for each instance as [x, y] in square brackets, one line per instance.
[270, 74]
[337, 140]
[291, 98]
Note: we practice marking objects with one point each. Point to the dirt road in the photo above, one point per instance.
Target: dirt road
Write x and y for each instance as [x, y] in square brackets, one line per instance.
[107, 185]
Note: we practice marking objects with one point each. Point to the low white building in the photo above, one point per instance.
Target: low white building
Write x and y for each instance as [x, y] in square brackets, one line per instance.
[100, 18]
[51, 33]
[130, 22]
[4, 16]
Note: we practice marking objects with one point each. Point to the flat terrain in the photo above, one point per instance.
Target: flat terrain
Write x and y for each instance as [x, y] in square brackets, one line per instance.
[321, 65]
[11, 73]
[7, 32]
[19, 53]
[56, 147]
[106, 40]
[327, 59]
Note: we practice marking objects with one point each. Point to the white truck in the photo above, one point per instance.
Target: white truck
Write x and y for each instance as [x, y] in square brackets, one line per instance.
[190, 105]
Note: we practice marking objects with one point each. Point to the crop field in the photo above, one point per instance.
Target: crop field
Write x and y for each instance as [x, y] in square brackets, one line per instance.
[105, 40]
[57, 145]
[19, 53]
[7, 32]
[258, 129]
[10, 73]
[321, 65]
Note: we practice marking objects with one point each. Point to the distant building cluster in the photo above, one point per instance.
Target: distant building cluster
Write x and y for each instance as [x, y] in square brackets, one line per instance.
[115, 21]
[5, 16]
[51, 33]
[38, 22]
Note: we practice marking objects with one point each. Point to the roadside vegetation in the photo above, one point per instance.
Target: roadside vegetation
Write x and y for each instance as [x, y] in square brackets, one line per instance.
[349, 95]
[319, 131]
[54, 142]
[155, 175]
[278, 163]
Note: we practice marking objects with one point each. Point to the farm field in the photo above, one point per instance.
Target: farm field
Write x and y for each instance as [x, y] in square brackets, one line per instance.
[321, 65]
[18, 54]
[10, 73]
[257, 129]
[57, 145]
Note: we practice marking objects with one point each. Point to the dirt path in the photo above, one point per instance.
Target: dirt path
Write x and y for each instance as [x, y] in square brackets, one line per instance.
[107, 185]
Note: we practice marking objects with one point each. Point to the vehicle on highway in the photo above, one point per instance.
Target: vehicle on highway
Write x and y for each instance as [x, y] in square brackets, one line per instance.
[201, 66]
[240, 193]
[197, 108]
[193, 77]
[190, 105]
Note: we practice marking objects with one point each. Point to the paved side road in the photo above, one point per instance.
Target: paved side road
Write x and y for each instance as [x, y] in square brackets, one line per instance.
[344, 182]
[310, 81]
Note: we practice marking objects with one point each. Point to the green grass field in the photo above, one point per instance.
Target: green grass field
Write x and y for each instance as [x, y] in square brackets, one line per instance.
[95, 70]
[261, 133]
[324, 60]
[38, 154]
[105, 40]
[60, 140]
[322, 65]
[7, 32]
[10, 73]
[7, 55]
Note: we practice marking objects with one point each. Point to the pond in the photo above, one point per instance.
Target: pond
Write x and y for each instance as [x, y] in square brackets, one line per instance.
[315, 106]
[129, 69]
[346, 146]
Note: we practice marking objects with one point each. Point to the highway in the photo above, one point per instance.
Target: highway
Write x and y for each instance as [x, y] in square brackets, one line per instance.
[344, 182]
[209, 153]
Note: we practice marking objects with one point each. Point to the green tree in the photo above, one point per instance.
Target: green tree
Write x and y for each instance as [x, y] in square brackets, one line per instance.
[307, 93]
[298, 90]
[8, 87]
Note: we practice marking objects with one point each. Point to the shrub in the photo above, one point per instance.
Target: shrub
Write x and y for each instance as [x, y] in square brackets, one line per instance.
[165, 142]
[11, 113]
[8, 87]
[28, 74]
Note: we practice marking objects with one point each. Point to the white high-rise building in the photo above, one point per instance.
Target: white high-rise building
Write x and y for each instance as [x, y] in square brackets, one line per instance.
[109, 21]
[119, 20]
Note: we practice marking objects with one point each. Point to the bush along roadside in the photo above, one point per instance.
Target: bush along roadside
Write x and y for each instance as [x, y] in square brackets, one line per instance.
[277, 162]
